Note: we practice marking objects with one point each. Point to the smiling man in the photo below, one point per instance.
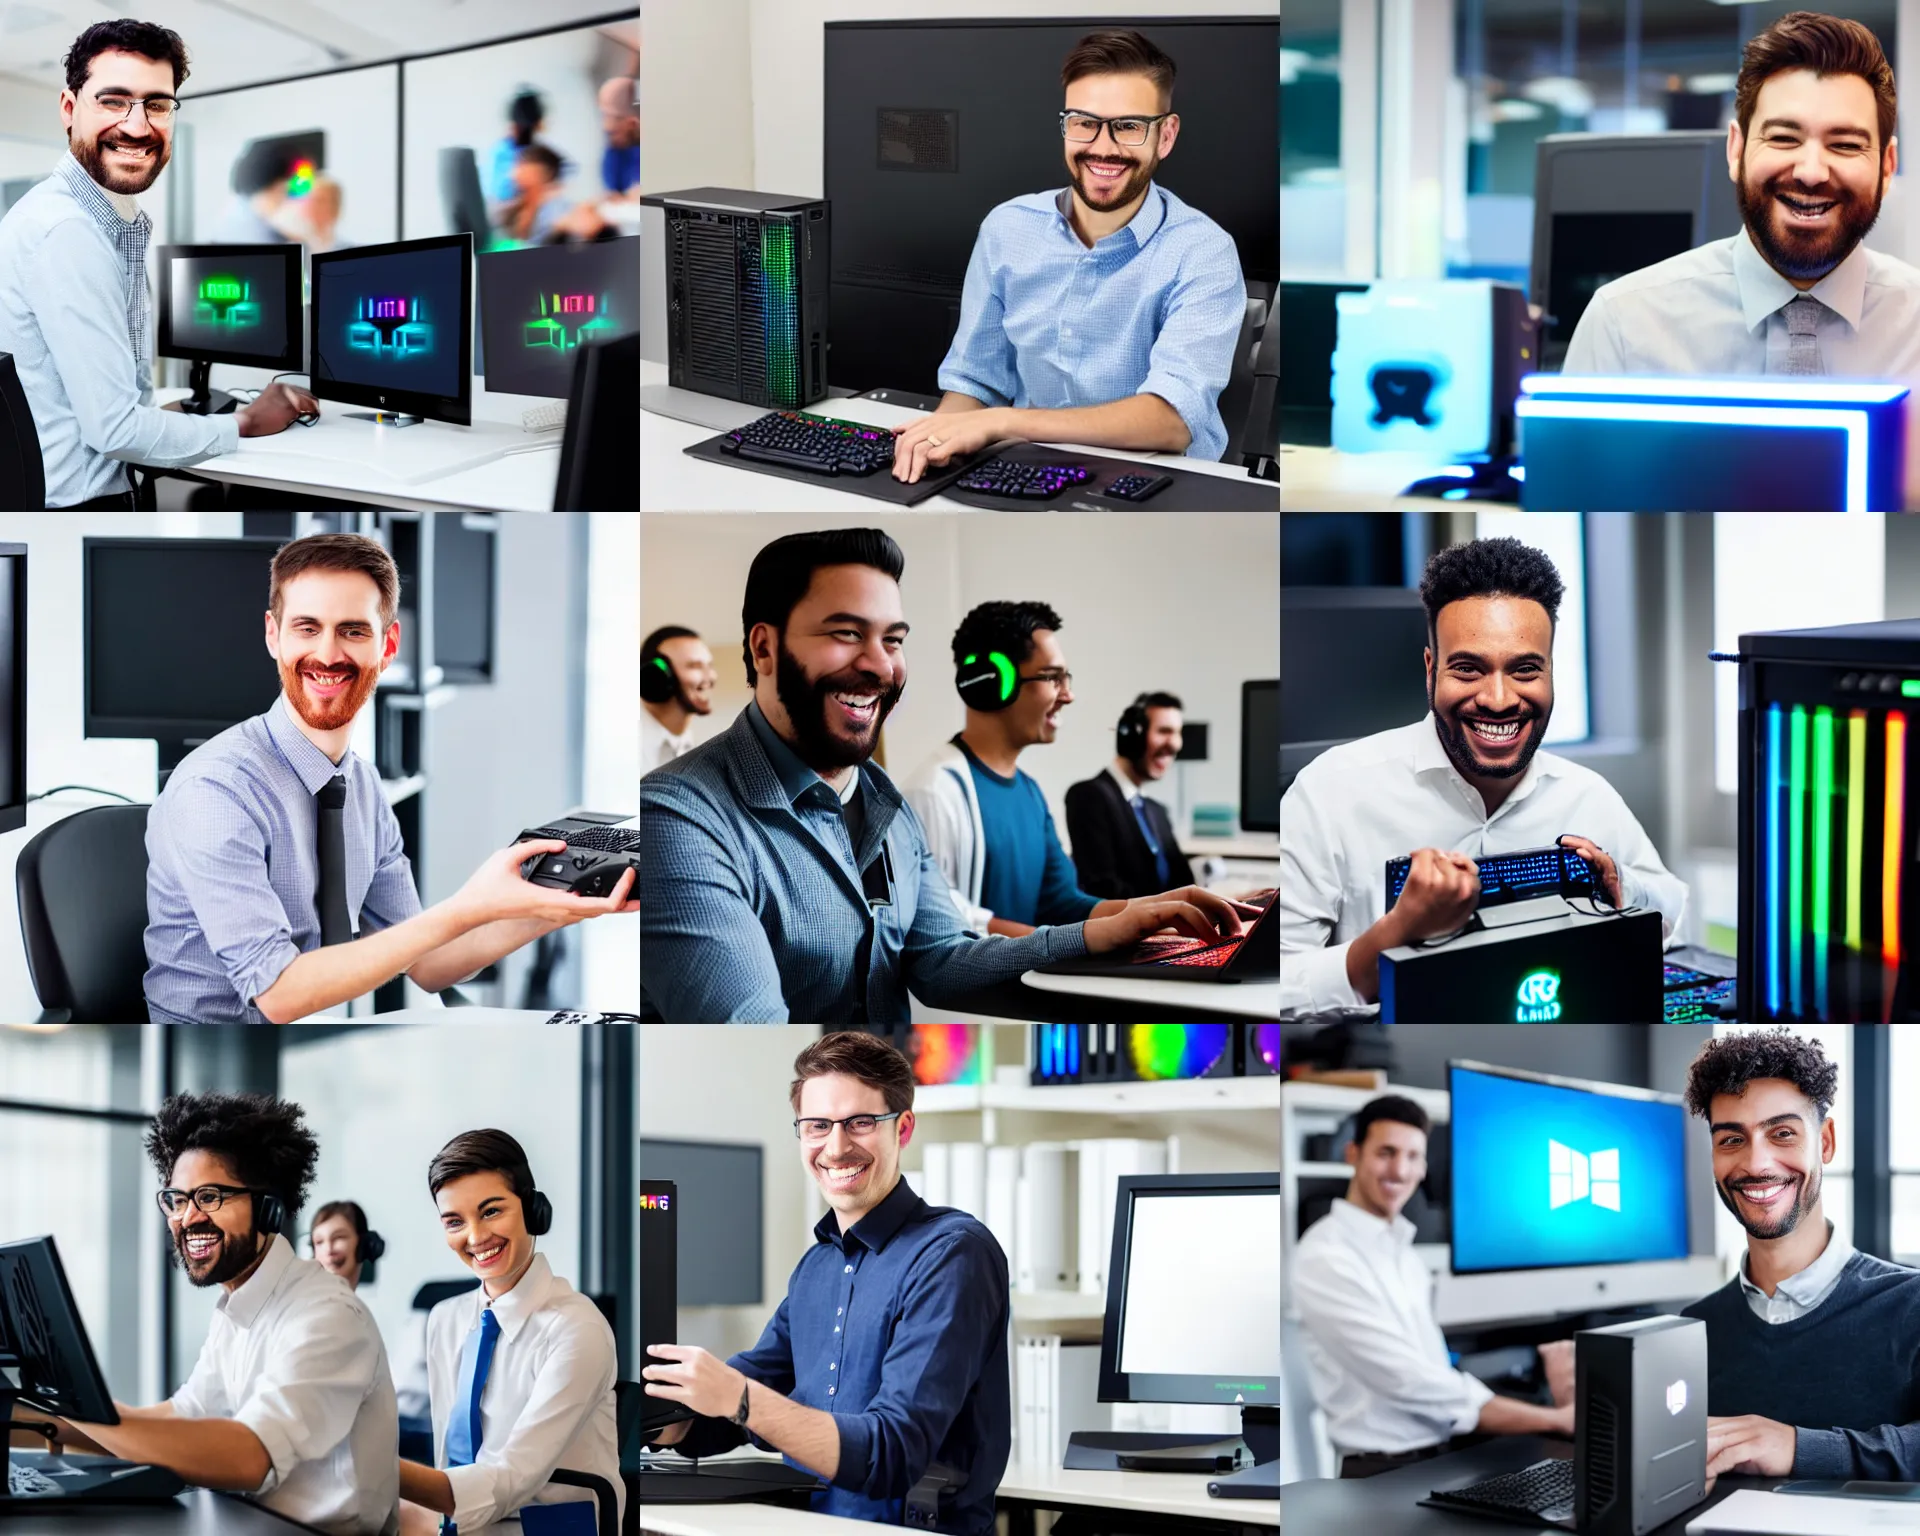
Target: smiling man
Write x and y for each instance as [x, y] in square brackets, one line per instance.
[680, 687]
[1810, 151]
[1810, 1332]
[276, 880]
[1123, 841]
[1469, 779]
[885, 1366]
[1105, 313]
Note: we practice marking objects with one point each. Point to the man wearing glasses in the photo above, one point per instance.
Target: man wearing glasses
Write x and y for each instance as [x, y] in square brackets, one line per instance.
[884, 1371]
[1105, 313]
[74, 307]
[290, 1401]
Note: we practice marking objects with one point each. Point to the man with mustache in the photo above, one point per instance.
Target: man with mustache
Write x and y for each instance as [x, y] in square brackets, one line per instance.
[276, 881]
[785, 875]
[1105, 313]
[1123, 841]
[1810, 152]
[1469, 779]
[74, 307]
[1810, 1332]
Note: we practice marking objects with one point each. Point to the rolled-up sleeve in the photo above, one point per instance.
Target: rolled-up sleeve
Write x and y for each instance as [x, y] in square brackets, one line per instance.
[1193, 353]
[310, 1389]
[981, 361]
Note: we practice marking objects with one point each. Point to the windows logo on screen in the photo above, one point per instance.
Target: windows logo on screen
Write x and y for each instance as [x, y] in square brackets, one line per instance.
[1573, 1176]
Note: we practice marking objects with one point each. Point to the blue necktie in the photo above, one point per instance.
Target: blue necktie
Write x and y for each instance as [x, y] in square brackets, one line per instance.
[463, 1425]
[1153, 843]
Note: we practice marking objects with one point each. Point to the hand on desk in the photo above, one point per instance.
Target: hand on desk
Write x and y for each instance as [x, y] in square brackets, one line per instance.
[931, 441]
[1192, 910]
[1557, 1359]
[274, 410]
[1750, 1444]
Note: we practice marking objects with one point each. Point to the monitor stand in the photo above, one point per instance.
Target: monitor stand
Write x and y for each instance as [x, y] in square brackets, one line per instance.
[1179, 1451]
[385, 418]
[204, 401]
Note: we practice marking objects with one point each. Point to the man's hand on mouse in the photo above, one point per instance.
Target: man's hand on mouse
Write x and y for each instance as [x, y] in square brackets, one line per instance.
[277, 407]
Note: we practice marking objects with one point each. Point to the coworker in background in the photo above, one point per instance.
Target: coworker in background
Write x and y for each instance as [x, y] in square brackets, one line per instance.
[521, 1370]
[1376, 1358]
[343, 1244]
[1471, 776]
[1105, 313]
[533, 215]
[918, 1382]
[1809, 1332]
[314, 219]
[74, 307]
[273, 846]
[526, 118]
[676, 683]
[785, 876]
[620, 121]
[1810, 151]
[290, 1401]
[1123, 841]
[256, 213]
[986, 823]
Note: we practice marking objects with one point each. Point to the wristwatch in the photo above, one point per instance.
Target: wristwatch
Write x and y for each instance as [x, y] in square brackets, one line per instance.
[740, 1418]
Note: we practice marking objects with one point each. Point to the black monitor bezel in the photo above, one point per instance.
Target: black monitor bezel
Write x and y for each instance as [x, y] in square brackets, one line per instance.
[455, 409]
[14, 816]
[486, 259]
[94, 1398]
[1118, 1386]
[1248, 687]
[292, 357]
[142, 727]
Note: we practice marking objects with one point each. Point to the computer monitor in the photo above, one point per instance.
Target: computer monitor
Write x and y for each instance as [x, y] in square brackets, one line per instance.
[229, 304]
[1379, 633]
[43, 1340]
[599, 458]
[1311, 324]
[461, 200]
[659, 1297]
[718, 1231]
[23, 477]
[13, 687]
[1260, 755]
[464, 584]
[1556, 1171]
[392, 327]
[537, 306]
[208, 597]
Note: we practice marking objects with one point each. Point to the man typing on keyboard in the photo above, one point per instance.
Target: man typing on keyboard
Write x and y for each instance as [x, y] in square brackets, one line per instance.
[1469, 776]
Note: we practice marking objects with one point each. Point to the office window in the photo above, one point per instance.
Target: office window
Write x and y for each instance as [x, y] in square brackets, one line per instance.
[610, 949]
[1313, 193]
[1903, 1143]
[95, 1067]
[1561, 537]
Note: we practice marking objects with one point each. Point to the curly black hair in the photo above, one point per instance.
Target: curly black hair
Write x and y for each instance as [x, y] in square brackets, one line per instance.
[124, 35]
[264, 1138]
[1489, 568]
[1004, 627]
[1728, 1064]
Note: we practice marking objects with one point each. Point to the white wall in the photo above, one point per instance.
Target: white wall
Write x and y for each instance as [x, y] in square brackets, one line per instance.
[1186, 602]
[610, 946]
[696, 96]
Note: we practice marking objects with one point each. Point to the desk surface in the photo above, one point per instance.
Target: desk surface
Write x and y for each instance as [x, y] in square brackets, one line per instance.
[1388, 1505]
[1326, 480]
[193, 1513]
[1246, 1000]
[1241, 845]
[1163, 1493]
[452, 1016]
[670, 481]
[742, 1520]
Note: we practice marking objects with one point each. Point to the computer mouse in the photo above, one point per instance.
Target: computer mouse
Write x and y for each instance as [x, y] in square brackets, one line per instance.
[307, 418]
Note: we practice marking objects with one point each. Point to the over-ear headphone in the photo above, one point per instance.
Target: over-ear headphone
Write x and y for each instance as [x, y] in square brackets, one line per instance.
[1130, 736]
[269, 1212]
[536, 1207]
[659, 684]
[987, 683]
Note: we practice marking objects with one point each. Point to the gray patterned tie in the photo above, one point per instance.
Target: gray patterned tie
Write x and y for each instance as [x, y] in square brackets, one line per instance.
[1803, 342]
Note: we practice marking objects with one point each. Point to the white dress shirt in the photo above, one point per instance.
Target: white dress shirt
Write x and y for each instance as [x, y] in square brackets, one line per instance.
[548, 1401]
[1716, 310]
[1797, 1295]
[295, 1356]
[658, 744]
[1375, 1357]
[1362, 803]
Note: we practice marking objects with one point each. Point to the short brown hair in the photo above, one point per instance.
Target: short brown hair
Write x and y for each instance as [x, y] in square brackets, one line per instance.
[1730, 1062]
[1827, 45]
[1120, 52]
[337, 552]
[487, 1151]
[855, 1054]
[1391, 1107]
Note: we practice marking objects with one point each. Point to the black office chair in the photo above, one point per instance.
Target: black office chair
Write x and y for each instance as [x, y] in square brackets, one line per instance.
[1260, 441]
[627, 1396]
[434, 1292]
[1235, 398]
[23, 480]
[82, 884]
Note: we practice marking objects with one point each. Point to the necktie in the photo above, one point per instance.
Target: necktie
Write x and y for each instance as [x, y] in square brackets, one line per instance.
[1153, 843]
[336, 925]
[1803, 344]
[463, 1424]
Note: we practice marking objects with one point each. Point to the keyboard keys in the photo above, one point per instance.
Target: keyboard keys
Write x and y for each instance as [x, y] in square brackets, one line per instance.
[1023, 482]
[1137, 487]
[822, 445]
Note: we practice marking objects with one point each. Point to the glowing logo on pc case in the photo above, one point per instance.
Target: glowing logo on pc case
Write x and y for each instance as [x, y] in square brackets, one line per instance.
[1575, 1176]
[394, 326]
[226, 301]
[1677, 1396]
[656, 1202]
[566, 320]
[1538, 998]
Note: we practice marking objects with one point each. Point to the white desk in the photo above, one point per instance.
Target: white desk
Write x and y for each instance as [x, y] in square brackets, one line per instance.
[1159, 1493]
[446, 1016]
[1324, 480]
[743, 1520]
[670, 481]
[1264, 846]
[1247, 999]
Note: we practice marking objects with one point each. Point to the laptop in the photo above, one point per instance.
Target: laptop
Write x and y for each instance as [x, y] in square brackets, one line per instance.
[1253, 956]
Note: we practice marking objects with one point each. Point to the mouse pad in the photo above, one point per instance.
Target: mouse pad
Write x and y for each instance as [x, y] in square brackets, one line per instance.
[1188, 493]
[880, 485]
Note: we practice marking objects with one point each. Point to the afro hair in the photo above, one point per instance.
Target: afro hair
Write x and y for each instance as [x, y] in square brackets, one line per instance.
[264, 1138]
[1728, 1064]
[1489, 568]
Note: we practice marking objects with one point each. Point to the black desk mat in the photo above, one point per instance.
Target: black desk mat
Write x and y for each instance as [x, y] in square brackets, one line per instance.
[1188, 493]
[880, 485]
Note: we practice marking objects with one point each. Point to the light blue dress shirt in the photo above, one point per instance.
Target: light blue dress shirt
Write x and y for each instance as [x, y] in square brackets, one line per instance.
[1153, 308]
[75, 314]
[752, 908]
[233, 872]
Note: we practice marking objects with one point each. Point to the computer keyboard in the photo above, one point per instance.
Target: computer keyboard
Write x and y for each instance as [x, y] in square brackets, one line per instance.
[24, 1482]
[1137, 487]
[548, 416]
[1697, 1005]
[1545, 1486]
[1023, 482]
[1677, 976]
[821, 445]
[599, 839]
[1518, 876]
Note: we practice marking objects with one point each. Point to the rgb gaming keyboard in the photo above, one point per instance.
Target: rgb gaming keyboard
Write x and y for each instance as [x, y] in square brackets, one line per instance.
[822, 445]
[1697, 1005]
[1023, 482]
[1518, 876]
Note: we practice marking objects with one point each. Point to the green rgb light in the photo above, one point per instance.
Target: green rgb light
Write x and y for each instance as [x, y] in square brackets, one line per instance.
[781, 314]
[1822, 847]
[1796, 849]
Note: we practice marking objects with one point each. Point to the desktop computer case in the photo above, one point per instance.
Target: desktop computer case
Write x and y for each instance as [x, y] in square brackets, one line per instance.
[1605, 970]
[1640, 1442]
[747, 295]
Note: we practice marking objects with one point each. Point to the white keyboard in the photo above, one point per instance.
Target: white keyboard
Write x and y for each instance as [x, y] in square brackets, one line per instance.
[549, 416]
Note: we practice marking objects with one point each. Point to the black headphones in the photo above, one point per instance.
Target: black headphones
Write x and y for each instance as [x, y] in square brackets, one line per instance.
[1130, 735]
[269, 1212]
[534, 1206]
[659, 683]
[987, 683]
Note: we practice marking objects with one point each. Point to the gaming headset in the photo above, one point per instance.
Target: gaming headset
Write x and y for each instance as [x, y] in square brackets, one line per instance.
[1130, 735]
[659, 683]
[987, 685]
[269, 1212]
[536, 1207]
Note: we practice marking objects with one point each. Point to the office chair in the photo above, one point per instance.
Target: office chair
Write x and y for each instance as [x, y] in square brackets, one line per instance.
[461, 199]
[1260, 442]
[1239, 391]
[434, 1292]
[23, 480]
[627, 1396]
[82, 884]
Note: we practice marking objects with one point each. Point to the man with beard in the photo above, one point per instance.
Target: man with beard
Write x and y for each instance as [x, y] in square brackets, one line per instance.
[1105, 313]
[290, 1401]
[74, 307]
[1809, 1333]
[276, 880]
[1469, 779]
[676, 683]
[1123, 840]
[1810, 151]
[785, 876]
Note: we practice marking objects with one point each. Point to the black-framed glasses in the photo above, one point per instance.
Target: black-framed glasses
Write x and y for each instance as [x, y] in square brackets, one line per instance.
[159, 109]
[209, 1197]
[1084, 128]
[812, 1129]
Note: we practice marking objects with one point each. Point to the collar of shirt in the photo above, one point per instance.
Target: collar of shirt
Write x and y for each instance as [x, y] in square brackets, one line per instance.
[1363, 1226]
[1142, 227]
[1128, 789]
[1810, 1286]
[313, 767]
[246, 1302]
[1763, 290]
[1429, 757]
[97, 200]
[876, 1229]
[528, 1297]
[795, 780]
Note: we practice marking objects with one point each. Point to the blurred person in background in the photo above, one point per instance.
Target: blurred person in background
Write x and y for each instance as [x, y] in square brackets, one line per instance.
[526, 121]
[539, 207]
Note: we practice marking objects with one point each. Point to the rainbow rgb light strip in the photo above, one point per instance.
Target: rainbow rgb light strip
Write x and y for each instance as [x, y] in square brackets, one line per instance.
[780, 313]
[1159, 1052]
[947, 1053]
[1059, 1050]
[1801, 745]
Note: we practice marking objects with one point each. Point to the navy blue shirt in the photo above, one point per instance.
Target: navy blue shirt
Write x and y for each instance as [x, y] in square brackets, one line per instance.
[898, 1329]
[1029, 878]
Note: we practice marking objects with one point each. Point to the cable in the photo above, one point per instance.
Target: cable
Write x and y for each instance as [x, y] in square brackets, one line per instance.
[90, 788]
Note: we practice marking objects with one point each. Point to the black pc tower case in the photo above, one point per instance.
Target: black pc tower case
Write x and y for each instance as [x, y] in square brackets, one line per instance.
[746, 295]
[1574, 968]
[659, 1290]
[1640, 1440]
